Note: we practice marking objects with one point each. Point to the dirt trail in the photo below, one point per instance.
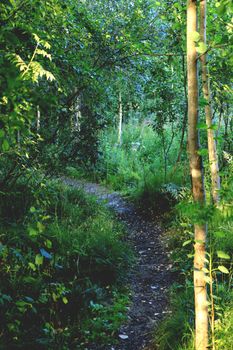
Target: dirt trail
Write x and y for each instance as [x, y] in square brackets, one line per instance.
[150, 277]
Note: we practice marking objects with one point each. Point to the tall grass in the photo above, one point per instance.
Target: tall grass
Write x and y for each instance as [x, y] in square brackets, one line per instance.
[176, 331]
[138, 165]
[63, 268]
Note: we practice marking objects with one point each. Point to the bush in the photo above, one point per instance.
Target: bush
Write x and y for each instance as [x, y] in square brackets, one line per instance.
[64, 255]
[176, 332]
[224, 329]
[137, 167]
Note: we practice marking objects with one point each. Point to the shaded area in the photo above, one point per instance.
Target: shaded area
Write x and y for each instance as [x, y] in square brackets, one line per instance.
[149, 278]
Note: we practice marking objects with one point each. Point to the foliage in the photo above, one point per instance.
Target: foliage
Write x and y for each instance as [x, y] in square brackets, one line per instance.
[175, 330]
[106, 320]
[62, 66]
[137, 165]
[61, 254]
[180, 242]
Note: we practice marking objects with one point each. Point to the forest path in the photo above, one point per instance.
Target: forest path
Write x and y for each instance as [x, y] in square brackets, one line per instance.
[149, 278]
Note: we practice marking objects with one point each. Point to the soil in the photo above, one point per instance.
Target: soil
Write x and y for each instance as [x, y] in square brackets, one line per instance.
[150, 277]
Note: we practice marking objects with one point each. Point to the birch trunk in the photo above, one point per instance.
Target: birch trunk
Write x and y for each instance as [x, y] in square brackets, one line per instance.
[200, 293]
[37, 118]
[212, 149]
[120, 115]
[77, 113]
[19, 139]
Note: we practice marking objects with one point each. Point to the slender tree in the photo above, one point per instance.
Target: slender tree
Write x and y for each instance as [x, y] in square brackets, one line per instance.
[212, 149]
[77, 113]
[37, 118]
[120, 115]
[200, 292]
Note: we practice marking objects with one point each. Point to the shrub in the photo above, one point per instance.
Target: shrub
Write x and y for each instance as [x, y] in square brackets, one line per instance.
[65, 254]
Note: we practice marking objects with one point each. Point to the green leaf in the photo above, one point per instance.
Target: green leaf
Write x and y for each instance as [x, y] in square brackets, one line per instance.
[203, 102]
[55, 297]
[203, 152]
[21, 303]
[48, 243]
[204, 269]
[37, 39]
[195, 36]
[202, 48]
[65, 300]
[39, 259]
[2, 133]
[5, 145]
[223, 269]
[207, 279]
[186, 242]
[44, 54]
[219, 234]
[223, 255]
[201, 126]
[32, 266]
[32, 232]
[213, 127]
[40, 227]
[49, 75]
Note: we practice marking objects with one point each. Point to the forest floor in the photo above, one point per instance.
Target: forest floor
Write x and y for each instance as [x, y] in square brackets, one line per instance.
[149, 278]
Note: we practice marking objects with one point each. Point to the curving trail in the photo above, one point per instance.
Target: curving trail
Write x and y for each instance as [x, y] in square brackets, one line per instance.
[150, 277]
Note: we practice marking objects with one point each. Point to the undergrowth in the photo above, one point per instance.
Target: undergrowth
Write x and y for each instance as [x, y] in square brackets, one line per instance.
[136, 168]
[176, 332]
[138, 163]
[63, 268]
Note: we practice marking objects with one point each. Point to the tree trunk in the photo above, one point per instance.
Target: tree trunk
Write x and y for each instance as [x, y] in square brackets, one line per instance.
[200, 293]
[120, 115]
[212, 149]
[77, 113]
[37, 118]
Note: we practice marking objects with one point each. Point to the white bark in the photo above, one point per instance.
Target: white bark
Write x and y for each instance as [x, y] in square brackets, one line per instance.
[200, 293]
[212, 149]
[120, 116]
[38, 116]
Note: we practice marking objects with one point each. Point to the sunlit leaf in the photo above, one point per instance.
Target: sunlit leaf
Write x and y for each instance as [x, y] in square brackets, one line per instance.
[65, 300]
[202, 48]
[204, 269]
[32, 266]
[186, 242]
[195, 36]
[223, 269]
[5, 145]
[39, 260]
[223, 255]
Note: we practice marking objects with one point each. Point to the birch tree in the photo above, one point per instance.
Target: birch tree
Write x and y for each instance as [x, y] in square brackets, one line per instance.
[120, 116]
[212, 150]
[200, 292]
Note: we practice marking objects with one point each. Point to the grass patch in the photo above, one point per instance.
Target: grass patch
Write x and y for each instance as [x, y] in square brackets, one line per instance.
[176, 331]
[63, 268]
